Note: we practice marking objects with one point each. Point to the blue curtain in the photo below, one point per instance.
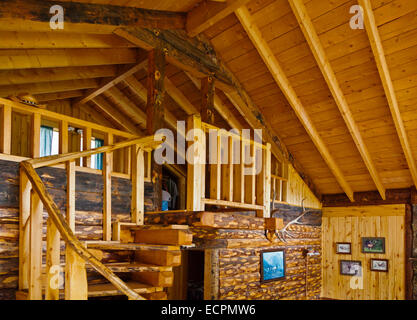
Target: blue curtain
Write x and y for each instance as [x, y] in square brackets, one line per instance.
[46, 141]
[98, 158]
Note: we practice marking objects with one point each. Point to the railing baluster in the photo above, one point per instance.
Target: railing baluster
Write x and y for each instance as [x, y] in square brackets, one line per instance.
[87, 146]
[195, 171]
[107, 170]
[53, 267]
[138, 180]
[70, 167]
[36, 135]
[6, 129]
[35, 249]
[24, 231]
[215, 171]
[228, 171]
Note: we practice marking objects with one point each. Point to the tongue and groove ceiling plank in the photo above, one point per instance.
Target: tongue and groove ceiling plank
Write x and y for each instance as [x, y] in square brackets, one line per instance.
[278, 74]
[323, 62]
[384, 72]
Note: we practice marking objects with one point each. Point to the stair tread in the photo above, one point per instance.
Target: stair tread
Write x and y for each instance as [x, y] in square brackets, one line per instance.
[131, 225]
[108, 289]
[115, 245]
[134, 267]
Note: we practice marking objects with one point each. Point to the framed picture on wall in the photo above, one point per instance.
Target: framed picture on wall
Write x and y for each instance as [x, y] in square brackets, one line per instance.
[343, 248]
[380, 265]
[373, 245]
[272, 265]
[351, 268]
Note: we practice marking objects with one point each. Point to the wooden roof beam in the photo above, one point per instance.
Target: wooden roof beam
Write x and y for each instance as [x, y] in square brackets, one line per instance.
[277, 73]
[110, 83]
[323, 62]
[384, 73]
[33, 15]
[134, 112]
[207, 13]
[117, 116]
[179, 97]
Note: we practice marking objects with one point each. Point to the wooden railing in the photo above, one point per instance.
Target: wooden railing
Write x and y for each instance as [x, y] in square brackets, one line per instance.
[232, 181]
[120, 162]
[34, 198]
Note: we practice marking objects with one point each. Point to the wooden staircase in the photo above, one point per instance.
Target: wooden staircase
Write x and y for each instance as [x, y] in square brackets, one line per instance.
[154, 250]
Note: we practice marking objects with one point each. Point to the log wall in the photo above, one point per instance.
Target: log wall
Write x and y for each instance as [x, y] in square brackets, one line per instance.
[89, 188]
[350, 224]
[237, 266]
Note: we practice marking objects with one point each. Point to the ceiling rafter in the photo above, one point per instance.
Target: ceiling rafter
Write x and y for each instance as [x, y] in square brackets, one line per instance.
[110, 83]
[323, 62]
[133, 111]
[207, 13]
[117, 116]
[277, 73]
[384, 73]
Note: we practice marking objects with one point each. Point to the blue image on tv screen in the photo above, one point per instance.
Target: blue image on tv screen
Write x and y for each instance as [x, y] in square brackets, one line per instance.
[273, 265]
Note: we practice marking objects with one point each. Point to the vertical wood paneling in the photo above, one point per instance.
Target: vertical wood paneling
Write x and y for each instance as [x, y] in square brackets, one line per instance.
[350, 224]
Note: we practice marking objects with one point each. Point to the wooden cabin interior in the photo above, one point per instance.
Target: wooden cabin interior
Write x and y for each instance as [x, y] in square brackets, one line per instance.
[316, 201]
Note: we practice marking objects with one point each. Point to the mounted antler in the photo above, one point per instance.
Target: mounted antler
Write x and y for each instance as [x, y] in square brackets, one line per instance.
[284, 233]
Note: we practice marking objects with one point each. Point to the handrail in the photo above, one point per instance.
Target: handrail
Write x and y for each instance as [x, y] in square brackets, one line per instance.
[68, 235]
[149, 142]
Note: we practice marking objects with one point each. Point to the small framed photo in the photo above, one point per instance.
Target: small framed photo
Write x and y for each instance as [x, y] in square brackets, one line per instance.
[351, 268]
[373, 245]
[272, 265]
[343, 248]
[380, 265]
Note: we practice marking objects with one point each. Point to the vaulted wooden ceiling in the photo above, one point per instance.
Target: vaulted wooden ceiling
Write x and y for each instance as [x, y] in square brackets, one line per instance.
[342, 101]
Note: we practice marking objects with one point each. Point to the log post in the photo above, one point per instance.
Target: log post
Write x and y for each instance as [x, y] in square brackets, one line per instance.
[207, 100]
[6, 129]
[138, 184]
[211, 274]
[195, 167]
[212, 171]
[155, 112]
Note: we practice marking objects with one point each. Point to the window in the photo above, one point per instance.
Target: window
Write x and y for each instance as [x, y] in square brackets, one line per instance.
[49, 144]
[97, 159]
